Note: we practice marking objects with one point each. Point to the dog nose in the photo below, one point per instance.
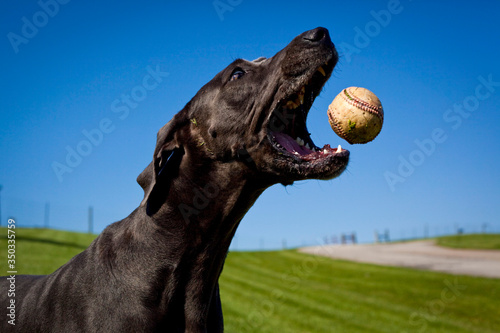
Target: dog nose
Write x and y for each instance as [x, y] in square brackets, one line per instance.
[317, 35]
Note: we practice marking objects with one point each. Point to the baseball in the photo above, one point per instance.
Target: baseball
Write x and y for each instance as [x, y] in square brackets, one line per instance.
[356, 115]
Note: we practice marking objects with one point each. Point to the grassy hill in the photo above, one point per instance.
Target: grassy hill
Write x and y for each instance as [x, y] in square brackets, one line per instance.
[42, 251]
[471, 241]
[287, 291]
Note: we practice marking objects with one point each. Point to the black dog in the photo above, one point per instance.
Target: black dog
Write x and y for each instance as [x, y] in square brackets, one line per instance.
[158, 269]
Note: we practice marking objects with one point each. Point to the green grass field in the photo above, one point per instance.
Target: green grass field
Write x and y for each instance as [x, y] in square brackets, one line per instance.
[287, 291]
[471, 241]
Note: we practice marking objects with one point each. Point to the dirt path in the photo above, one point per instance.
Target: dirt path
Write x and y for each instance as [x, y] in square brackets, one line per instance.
[420, 255]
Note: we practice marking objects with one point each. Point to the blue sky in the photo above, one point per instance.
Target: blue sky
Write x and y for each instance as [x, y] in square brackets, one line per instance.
[66, 67]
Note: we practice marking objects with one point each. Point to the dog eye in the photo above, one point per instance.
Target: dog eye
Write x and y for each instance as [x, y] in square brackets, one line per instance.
[237, 73]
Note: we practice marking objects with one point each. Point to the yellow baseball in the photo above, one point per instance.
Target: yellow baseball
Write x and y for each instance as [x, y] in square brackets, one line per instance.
[356, 115]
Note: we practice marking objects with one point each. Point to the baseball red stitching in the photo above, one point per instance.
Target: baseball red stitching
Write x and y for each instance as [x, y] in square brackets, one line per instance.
[365, 106]
[339, 129]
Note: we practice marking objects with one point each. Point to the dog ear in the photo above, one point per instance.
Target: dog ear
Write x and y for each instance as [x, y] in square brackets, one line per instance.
[166, 159]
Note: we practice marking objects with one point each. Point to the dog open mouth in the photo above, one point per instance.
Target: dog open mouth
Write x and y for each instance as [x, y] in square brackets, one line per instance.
[287, 129]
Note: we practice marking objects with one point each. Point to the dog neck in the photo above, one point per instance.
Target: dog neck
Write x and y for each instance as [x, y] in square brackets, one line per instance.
[195, 226]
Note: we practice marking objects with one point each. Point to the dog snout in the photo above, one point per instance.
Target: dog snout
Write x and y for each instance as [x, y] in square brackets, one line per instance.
[307, 52]
[320, 37]
[317, 35]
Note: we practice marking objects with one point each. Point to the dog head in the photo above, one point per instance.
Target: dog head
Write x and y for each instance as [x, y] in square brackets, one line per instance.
[253, 113]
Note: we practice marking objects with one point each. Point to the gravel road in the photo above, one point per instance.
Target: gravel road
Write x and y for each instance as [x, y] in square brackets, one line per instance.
[423, 255]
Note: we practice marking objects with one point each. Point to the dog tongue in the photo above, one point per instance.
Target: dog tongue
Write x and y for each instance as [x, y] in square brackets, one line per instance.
[290, 144]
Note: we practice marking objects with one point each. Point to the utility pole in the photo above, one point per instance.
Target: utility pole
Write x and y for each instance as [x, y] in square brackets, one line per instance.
[47, 215]
[1, 205]
[91, 219]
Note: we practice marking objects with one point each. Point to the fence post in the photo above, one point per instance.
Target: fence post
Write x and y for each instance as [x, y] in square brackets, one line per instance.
[46, 216]
[91, 219]
[1, 205]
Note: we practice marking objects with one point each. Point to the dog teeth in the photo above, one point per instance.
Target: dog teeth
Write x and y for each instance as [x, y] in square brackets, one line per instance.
[307, 146]
[325, 151]
[339, 149]
[290, 105]
[322, 71]
[300, 141]
[295, 104]
[301, 94]
[299, 100]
